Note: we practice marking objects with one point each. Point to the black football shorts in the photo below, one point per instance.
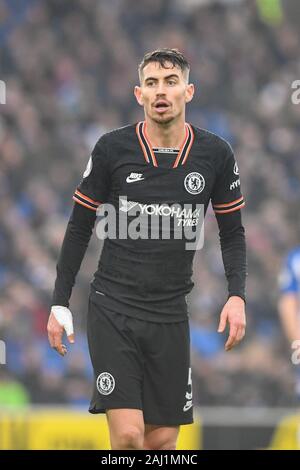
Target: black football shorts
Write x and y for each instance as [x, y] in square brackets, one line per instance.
[140, 365]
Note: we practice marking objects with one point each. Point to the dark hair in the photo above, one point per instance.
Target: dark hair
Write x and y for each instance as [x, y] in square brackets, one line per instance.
[174, 56]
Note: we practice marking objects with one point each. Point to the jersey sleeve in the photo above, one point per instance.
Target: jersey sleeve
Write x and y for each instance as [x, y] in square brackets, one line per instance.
[226, 195]
[288, 282]
[94, 187]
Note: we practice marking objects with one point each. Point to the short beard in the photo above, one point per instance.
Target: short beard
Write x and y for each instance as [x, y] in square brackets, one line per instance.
[165, 122]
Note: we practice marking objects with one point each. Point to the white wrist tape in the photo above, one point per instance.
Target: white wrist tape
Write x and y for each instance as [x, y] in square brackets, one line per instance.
[64, 318]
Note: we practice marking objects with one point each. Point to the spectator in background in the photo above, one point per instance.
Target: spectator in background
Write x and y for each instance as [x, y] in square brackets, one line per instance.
[289, 306]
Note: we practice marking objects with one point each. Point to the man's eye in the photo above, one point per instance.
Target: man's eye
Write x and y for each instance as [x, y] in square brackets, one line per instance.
[150, 83]
[171, 82]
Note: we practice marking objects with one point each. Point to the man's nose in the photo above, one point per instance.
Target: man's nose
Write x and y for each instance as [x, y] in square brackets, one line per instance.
[160, 90]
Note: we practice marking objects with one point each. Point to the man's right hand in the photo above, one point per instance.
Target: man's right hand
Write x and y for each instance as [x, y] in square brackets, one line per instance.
[60, 319]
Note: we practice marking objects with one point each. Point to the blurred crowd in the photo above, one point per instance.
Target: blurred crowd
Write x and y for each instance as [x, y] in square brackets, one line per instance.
[70, 69]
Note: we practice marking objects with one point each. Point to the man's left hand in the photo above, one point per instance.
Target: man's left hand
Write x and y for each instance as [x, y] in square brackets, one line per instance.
[233, 312]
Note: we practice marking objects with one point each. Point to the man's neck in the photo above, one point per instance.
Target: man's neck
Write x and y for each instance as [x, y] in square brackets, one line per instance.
[165, 136]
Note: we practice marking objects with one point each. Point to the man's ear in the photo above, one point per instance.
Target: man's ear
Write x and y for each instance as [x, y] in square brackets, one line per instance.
[189, 92]
[138, 95]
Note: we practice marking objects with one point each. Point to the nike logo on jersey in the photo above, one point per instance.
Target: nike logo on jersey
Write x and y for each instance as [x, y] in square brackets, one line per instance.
[133, 177]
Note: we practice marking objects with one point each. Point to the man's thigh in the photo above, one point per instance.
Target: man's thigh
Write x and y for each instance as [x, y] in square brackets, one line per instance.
[167, 385]
[116, 360]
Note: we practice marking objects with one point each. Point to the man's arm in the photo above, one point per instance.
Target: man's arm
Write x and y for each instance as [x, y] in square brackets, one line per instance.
[288, 307]
[76, 240]
[92, 191]
[233, 247]
[227, 200]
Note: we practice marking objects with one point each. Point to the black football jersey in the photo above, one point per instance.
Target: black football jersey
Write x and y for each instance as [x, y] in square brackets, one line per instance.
[152, 202]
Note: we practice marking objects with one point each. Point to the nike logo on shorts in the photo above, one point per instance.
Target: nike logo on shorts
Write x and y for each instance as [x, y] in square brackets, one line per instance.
[187, 406]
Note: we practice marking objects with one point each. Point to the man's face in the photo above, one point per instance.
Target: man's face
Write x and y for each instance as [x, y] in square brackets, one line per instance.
[163, 92]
